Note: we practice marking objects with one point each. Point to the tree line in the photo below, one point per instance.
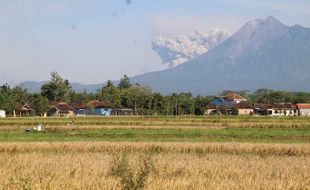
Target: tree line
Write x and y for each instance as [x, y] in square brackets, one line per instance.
[143, 100]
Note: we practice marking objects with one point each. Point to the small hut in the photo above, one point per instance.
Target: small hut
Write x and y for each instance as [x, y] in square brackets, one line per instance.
[80, 109]
[118, 111]
[25, 110]
[61, 110]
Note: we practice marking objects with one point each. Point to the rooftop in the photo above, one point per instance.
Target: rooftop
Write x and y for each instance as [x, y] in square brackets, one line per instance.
[234, 96]
[303, 106]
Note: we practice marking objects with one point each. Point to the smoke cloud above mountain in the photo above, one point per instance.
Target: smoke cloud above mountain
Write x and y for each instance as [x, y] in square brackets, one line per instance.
[179, 49]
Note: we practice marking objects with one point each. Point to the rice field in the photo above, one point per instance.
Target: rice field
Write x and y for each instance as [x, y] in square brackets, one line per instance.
[155, 153]
[158, 121]
[76, 165]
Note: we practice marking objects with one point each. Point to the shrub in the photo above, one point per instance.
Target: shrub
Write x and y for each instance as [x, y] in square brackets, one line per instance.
[235, 111]
[130, 179]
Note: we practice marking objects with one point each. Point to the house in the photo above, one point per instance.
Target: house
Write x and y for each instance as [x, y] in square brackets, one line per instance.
[122, 111]
[25, 110]
[245, 108]
[95, 107]
[60, 110]
[212, 109]
[231, 98]
[262, 109]
[303, 109]
[2, 114]
[80, 109]
[226, 104]
[283, 109]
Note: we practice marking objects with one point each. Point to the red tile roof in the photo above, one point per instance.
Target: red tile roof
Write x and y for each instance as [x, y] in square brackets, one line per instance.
[79, 105]
[303, 106]
[52, 103]
[284, 106]
[98, 104]
[234, 96]
[244, 105]
[26, 107]
[212, 106]
[262, 106]
[274, 106]
[63, 107]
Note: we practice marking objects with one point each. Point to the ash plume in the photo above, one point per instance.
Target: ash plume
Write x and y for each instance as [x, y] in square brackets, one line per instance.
[177, 50]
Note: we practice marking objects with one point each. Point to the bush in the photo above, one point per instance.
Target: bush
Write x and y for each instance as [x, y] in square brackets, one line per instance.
[235, 111]
[130, 179]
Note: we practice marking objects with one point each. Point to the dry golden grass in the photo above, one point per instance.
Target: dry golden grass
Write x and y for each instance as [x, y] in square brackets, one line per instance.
[144, 147]
[175, 165]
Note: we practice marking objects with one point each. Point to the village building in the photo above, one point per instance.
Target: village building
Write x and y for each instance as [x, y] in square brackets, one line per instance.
[26, 110]
[98, 108]
[80, 109]
[122, 112]
[227, 104]
[303, 109]
[262, 109]
[2, 114]
[244, 108]
[212, 110]
[61, 110]
[284, 109]
[95, 107]
[233, 103]
[229, 100]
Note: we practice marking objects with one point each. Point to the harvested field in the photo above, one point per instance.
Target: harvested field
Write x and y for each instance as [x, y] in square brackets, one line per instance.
[155, 153]
[160, 121]
[173, 165]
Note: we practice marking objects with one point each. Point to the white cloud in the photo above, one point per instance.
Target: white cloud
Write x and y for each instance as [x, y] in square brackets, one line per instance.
[177, 50]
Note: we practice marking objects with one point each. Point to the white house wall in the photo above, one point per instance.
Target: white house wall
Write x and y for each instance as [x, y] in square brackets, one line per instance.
[2, 114]
[304, 112]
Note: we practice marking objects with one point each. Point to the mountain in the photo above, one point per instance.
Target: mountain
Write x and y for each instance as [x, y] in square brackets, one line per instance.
[33, 86]
[264, 53]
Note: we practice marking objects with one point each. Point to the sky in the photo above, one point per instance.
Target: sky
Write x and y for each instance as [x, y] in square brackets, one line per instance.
[96, 40]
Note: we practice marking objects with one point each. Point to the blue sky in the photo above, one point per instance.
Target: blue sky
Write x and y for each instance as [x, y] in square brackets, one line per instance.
[95, 40]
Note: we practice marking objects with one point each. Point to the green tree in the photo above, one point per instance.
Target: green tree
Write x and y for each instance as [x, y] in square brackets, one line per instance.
[157, 104]
[276, 97]
[109, 93]
[40, 104]
[81, 97]
[186, 104]
[201, 104]
[12, 99]
[5, 92]
[57, 89]
[135, 97]
[124, 82]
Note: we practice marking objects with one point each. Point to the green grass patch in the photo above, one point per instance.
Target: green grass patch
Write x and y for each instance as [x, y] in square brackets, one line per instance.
[163, 135]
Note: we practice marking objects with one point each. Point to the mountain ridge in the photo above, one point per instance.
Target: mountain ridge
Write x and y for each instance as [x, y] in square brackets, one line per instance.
[35, 86]
[270, 55]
